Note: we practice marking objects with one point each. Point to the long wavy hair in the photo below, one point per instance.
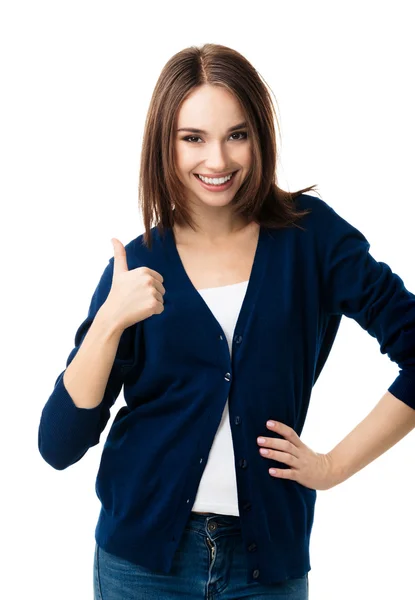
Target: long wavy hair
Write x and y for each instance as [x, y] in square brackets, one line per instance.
[162, 196]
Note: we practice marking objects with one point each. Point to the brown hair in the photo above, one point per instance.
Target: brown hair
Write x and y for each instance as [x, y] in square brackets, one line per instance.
[161, 193]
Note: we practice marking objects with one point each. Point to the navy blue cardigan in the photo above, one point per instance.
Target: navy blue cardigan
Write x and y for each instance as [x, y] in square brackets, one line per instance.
[177, 375]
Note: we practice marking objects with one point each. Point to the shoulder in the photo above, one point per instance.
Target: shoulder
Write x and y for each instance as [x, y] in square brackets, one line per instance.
[332, 233]
[317, 206]
[323, 216]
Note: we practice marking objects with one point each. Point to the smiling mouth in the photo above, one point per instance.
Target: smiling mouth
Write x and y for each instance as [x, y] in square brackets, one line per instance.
[216, 177]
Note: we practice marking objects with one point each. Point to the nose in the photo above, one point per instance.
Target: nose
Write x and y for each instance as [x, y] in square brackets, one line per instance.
[216, 158]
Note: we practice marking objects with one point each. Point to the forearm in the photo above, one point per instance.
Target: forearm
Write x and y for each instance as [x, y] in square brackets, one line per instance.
[384, 426]
[87, 375]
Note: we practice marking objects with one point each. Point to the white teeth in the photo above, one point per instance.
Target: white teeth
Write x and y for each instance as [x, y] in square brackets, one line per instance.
[215, 181]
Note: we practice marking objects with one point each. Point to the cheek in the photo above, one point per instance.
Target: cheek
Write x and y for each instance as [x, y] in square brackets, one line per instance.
[185, 160]
[241, 156]
[247, 155]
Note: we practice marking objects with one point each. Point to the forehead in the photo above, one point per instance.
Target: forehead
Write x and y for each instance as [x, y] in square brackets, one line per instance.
[209, 107]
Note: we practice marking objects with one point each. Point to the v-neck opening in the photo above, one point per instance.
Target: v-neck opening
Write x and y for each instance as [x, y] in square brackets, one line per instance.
[221, 287]
[258, 268]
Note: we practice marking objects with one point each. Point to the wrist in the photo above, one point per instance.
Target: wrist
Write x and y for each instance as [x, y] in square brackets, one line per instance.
[108, 320]
[336, 474]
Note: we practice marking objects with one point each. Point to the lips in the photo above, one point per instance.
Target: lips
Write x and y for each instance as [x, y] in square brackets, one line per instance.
[215, 176]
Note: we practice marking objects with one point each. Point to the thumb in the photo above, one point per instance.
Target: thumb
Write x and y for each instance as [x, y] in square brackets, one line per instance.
[120, 257]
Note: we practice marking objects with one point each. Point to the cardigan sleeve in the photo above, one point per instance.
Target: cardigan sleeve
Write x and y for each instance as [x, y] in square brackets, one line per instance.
[66, 431]
[368, 291]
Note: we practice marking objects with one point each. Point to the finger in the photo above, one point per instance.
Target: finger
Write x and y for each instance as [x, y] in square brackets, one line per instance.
[282, 473]
[286, 431]
[120, 257]
[160, 297]
[284, 457]
[155, 274]
[159, 287]
[283, 446]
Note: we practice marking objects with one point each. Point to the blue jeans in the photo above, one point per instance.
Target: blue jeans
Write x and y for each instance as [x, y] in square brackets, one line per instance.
[209, 564]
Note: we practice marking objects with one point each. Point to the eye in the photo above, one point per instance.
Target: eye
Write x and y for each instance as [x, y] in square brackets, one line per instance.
[191, 137]
[244, 135]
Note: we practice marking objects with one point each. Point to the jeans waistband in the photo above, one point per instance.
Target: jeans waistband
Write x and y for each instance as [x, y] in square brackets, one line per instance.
[217, 517]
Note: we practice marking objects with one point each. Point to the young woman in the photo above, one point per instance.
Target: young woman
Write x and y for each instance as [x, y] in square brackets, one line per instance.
[218, 321]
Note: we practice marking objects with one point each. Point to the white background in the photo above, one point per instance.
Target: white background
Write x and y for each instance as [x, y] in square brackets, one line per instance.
[76, 80]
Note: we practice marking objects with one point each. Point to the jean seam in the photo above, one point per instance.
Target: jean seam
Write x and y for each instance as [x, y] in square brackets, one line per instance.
[96, 574]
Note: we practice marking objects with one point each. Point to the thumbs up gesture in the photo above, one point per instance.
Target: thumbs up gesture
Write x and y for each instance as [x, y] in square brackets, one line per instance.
[135, 295]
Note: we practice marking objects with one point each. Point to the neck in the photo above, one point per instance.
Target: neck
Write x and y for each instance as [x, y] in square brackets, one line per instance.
[213, 232]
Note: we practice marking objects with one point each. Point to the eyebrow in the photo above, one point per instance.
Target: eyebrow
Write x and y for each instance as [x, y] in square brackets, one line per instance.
[193, 130]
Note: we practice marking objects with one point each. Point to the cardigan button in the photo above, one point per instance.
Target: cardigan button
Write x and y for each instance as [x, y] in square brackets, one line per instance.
[238, 339]
[228, 376]
[252, 547]
[243, 463]
[255, 574]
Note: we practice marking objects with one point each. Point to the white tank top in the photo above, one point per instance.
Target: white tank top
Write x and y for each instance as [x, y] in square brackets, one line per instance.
[217, 490]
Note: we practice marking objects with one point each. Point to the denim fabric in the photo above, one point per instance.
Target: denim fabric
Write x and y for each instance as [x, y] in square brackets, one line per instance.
[209, 564]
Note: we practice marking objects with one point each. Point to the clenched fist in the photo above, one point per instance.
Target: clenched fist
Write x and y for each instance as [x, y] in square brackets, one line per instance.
[135, 295]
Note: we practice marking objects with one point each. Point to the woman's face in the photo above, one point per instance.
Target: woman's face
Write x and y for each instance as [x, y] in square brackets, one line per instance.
[216, 152]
